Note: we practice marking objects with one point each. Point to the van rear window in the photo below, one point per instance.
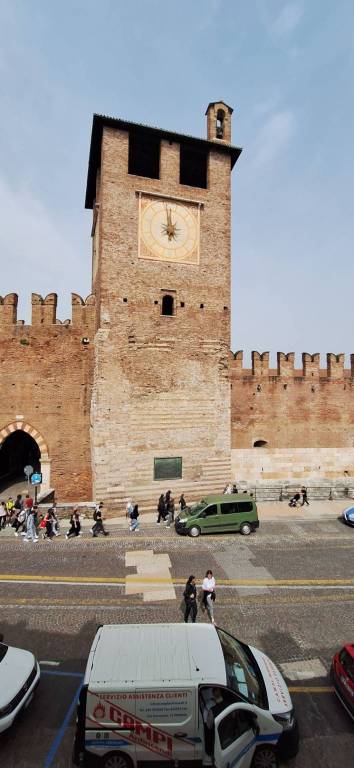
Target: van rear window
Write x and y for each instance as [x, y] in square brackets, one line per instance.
[244, 506]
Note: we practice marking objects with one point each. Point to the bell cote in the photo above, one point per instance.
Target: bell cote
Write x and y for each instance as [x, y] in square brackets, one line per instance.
[219, 121]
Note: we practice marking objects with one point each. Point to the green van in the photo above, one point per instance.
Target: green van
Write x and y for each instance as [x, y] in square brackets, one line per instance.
[219, 514]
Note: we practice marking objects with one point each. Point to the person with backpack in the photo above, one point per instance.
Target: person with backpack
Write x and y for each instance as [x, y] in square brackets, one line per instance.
[134, 522]
[190, 599]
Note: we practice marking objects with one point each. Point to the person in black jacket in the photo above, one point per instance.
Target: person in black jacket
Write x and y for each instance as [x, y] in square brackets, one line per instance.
[161, 509]
[190, 599]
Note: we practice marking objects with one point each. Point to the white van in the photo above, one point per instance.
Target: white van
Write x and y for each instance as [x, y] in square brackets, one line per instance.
[181, 695]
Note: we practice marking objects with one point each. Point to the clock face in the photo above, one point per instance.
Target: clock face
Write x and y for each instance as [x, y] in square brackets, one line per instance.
[169, 230]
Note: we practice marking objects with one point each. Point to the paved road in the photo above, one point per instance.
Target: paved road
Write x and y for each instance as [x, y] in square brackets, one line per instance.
[288, 589]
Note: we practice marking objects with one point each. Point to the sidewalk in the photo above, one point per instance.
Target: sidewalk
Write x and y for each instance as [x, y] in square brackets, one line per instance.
[267, 511]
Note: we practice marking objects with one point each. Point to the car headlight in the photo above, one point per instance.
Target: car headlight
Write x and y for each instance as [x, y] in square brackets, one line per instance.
[182, 520]
[286, 719]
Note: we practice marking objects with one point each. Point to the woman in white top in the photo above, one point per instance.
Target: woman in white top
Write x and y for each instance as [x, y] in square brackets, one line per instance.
[208, 588]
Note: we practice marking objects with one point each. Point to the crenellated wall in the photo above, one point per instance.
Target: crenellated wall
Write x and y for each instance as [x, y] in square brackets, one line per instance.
[46, 371]
[287, 411]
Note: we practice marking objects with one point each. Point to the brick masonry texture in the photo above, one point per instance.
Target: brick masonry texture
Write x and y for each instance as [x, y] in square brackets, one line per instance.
[46, 377]
[161, 383]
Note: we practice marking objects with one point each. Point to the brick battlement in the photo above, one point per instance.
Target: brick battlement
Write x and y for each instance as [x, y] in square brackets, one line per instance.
[44, 311]
[286, 366]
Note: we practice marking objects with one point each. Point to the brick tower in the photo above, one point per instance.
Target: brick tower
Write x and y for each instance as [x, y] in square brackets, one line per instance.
[161, 277]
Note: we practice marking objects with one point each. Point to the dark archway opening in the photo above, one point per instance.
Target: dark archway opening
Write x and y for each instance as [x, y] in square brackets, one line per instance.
[17, 451]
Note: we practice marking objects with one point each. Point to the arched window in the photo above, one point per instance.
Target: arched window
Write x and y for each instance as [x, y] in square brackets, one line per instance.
[260, 444]
[220, 117]
[167, 305]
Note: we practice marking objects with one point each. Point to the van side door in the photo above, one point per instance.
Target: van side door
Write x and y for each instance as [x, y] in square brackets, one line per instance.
[229, 516]
[235, 737]
[209, 520]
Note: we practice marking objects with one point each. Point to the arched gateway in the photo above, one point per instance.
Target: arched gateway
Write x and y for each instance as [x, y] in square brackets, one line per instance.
[22, 444]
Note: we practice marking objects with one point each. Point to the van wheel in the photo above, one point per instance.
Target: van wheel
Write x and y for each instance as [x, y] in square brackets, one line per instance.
[116, 760]
[194, 531]
[265, 757]
[245, 529]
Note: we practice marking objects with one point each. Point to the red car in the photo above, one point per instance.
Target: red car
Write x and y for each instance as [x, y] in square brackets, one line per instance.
[343, 677]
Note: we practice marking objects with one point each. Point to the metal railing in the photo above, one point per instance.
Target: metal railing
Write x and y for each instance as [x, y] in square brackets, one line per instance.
[284, 493]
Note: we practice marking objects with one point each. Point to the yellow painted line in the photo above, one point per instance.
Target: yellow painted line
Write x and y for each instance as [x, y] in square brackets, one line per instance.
[161, 580]
[311, 689]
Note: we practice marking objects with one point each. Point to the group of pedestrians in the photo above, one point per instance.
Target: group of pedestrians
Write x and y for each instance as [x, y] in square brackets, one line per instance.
[230, 488]
[166, 508]
[206, 597]
[23, 516]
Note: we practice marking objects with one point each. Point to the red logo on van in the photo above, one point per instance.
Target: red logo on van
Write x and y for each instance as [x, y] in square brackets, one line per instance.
[99, 711]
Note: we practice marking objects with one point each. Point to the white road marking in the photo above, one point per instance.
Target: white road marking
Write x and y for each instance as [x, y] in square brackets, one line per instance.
[149, 565]
[304, 670]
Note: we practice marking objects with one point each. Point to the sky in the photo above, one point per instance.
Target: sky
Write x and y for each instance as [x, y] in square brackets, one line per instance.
[287, 69]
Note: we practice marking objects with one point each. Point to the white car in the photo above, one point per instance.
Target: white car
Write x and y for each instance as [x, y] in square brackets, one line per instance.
[19, 676]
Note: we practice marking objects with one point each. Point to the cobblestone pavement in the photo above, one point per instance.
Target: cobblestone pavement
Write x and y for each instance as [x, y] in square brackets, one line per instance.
[288, 589]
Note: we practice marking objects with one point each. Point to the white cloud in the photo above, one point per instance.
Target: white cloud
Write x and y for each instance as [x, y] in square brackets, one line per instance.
[286, 21]
[274, 136]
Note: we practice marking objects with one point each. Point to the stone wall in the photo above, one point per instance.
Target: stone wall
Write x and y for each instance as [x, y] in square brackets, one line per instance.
[279, 466]
[46, 383]
[295, 413]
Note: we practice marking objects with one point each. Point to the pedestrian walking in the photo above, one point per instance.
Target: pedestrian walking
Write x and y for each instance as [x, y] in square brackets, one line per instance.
[55, 519]
[134, 519]
[182, 502]
[48, 522]
[19, 523]
[294, 500]
[190, 599]
[31, 533]
[304, 496]
[75, 525]
[170, 511]
[161, 509]
[208, 598]
[3, 515]
[98, 527]
[234, 488]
